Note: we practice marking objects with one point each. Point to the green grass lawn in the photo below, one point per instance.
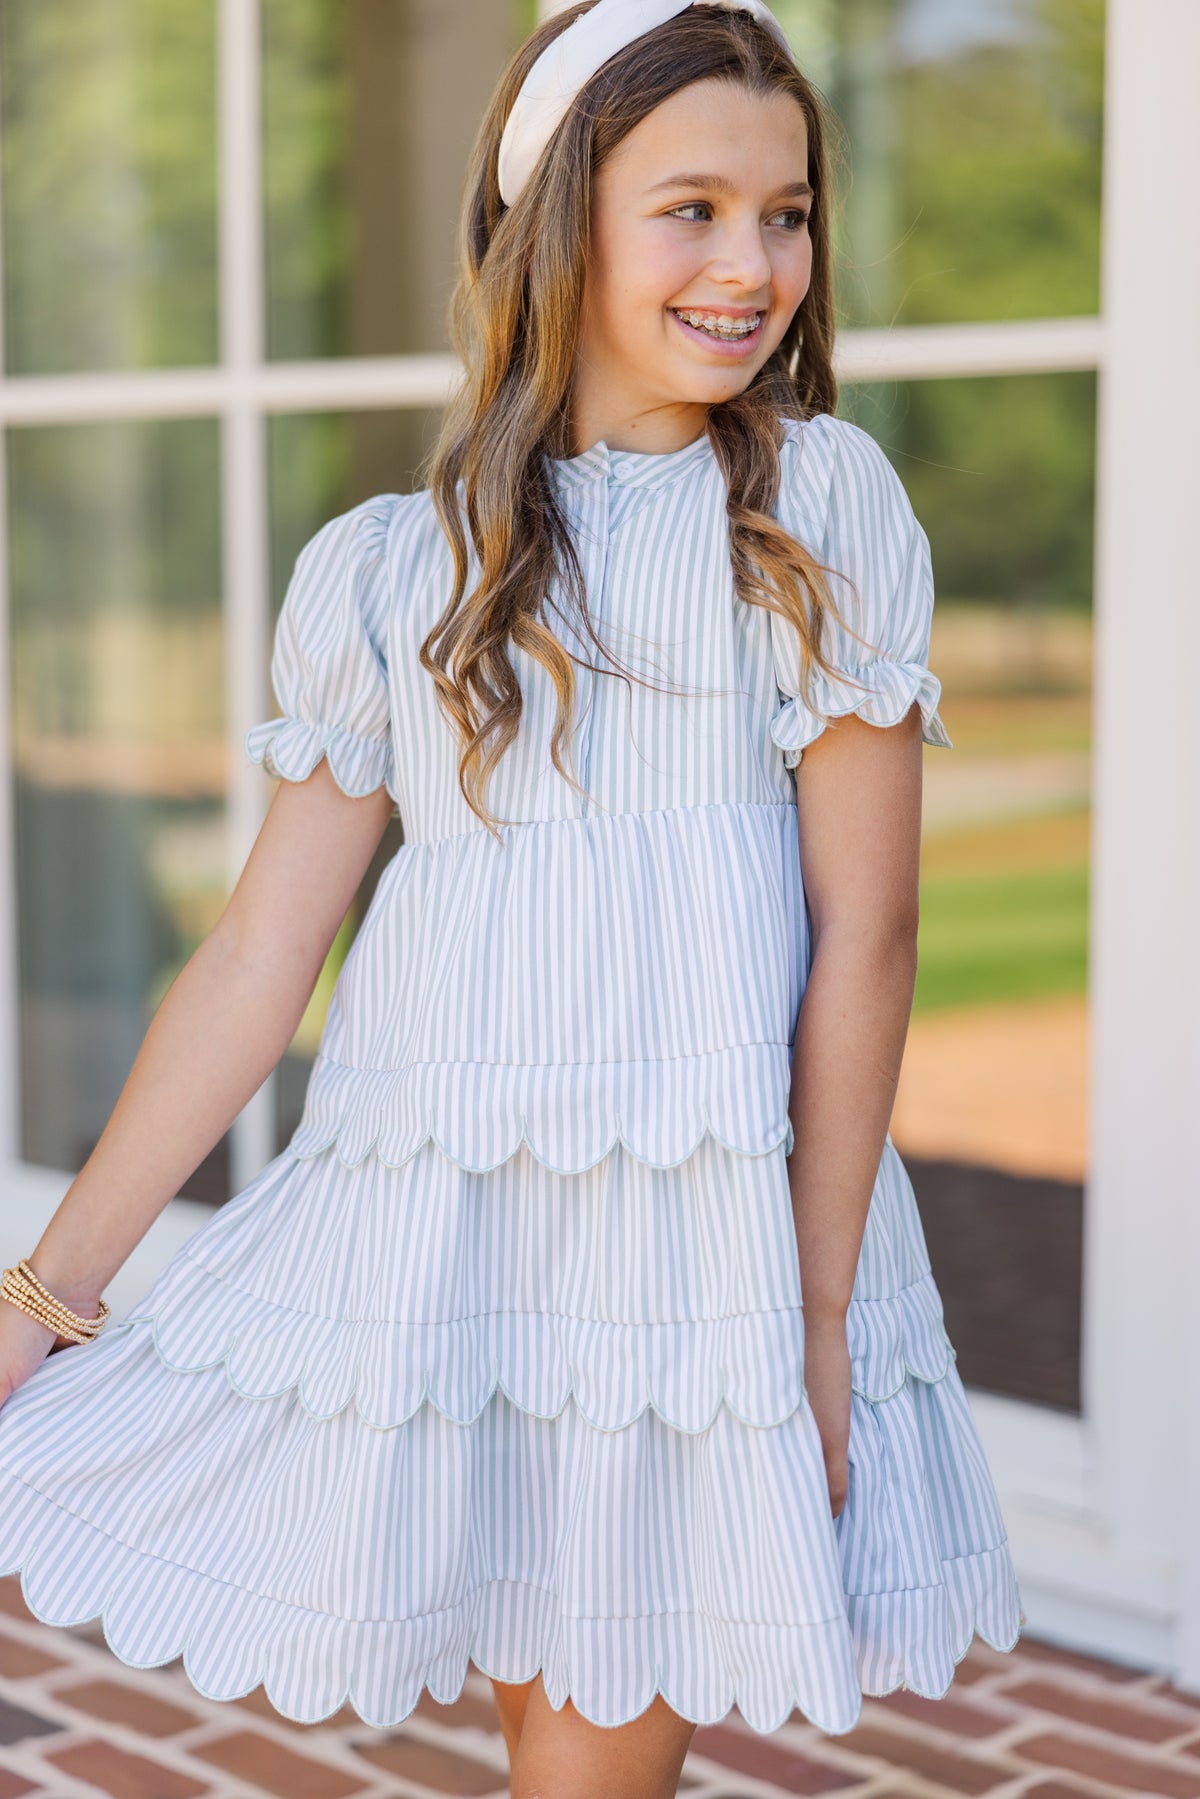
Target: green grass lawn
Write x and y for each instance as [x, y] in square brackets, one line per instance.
[1019, 936]
[1004, 912]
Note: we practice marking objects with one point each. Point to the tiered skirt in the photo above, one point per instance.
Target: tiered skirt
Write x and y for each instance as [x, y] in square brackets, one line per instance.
[502, 1358]
[374, 1422]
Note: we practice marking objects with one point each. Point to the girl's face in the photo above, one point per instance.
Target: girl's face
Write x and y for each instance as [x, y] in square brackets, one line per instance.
[699, 257]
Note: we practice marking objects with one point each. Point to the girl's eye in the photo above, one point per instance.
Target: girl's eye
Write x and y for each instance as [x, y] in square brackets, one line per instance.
[796, 216]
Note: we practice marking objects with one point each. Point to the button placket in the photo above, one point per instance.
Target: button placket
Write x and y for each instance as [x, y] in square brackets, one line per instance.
[596, 573]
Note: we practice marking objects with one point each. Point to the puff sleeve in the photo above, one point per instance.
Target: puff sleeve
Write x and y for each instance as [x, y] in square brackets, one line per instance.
[329, 661]
[872, 538]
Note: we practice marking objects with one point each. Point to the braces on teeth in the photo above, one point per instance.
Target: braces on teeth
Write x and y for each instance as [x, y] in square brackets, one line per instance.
[719, 324]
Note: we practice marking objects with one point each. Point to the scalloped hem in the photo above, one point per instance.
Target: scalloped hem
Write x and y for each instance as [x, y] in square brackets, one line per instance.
[889, 691]
[311, 1664]
[290, 748]
[309, 1142]
[686, 1370]
[752, 1411]
[584, 1390]
[569, 1116]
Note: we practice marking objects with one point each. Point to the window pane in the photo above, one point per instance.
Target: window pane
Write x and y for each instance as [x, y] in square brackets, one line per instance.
[991, 1113]
[322, 464]
[973, 159]
[119, 759]
[371, 108]
[109, 178]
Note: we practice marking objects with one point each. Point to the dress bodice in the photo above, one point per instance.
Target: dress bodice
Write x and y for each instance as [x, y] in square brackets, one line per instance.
[627, 962]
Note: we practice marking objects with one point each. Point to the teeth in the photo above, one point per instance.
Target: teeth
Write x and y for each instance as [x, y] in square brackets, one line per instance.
[720, 324]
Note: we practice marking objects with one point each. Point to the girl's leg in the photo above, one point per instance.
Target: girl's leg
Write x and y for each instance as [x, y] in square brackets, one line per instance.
[511, 1700]
[562, 1756]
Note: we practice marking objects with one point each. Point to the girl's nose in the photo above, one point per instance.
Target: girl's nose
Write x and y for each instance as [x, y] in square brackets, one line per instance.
[742, 257]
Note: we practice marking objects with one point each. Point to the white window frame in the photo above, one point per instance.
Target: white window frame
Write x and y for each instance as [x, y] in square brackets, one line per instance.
[1102, 1509]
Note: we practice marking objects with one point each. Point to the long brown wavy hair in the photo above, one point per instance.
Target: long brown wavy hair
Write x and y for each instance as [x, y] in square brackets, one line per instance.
[514, 321]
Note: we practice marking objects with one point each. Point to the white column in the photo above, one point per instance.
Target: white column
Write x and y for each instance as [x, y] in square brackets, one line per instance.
[1142, 1244]
[244, 497]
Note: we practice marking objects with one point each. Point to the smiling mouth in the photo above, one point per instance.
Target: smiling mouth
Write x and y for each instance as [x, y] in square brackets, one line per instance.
[725, 327]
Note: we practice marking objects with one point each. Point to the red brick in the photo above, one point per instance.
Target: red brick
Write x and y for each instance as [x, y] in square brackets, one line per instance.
[1053, 1789]
[10, 1597]
[766, 1758]
[1119, 1767]
[125, 1776]
[12, 1786]
[974, 1668]
[956, 1716]
[90, 1632]
[470, 1711]
[17, 1722]
[119, 1704]
[1039, 1651]
[19, 1660]
[962, 1773]
[901, 1792]
[267, 1764]
[427, 1765]
[1145, 1721]
[1177, 1694]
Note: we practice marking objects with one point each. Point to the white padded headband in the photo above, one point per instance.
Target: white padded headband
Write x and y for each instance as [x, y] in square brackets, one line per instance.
[568, 64]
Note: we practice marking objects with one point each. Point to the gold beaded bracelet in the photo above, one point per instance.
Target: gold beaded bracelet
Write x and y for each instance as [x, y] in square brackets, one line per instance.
[22, 1286]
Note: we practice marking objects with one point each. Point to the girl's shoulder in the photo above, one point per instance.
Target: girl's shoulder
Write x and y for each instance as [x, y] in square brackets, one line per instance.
[395, 530]
[399, 521]
[365, 530]
[838, 489]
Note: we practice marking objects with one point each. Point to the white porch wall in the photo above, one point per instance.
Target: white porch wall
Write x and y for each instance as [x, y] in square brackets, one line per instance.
[1142, 1242]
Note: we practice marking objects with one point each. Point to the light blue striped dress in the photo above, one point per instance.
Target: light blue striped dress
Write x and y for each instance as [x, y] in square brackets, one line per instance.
[501, 1358]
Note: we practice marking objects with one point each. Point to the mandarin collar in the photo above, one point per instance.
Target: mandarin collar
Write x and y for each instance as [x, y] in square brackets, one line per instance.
[632, 468]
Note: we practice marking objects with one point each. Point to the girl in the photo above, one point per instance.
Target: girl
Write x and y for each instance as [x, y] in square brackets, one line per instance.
[585, 1328]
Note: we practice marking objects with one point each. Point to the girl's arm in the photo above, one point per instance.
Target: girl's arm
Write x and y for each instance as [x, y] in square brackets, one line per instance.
[858, 796]
[224, 1023]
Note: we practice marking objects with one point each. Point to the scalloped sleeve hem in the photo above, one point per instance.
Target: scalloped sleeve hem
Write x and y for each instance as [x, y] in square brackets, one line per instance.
[290, 749]
[888, 689]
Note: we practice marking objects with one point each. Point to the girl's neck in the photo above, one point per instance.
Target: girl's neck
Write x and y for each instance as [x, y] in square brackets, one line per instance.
[656, 431]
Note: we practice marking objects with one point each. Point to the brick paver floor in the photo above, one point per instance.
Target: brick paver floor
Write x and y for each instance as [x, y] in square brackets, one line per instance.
[1041, 1723]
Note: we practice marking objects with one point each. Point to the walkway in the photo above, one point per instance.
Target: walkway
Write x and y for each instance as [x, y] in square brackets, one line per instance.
[1037, 1724]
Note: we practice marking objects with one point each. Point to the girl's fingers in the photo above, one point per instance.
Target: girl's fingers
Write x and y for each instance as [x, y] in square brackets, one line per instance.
[24, 1346]
[828, 1378]
[836, 1474]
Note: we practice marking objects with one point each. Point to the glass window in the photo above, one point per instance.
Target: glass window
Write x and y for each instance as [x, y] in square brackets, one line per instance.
[970, 174]
[991, 1113]
[119, 760]
[371, 108]
[108, 146]
[320, 465]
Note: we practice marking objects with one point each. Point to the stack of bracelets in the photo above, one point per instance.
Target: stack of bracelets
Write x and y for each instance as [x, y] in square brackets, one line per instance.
[22, 1286]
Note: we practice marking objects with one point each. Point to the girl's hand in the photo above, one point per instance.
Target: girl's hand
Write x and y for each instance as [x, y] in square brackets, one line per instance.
[24, 1345]
[827, 1380]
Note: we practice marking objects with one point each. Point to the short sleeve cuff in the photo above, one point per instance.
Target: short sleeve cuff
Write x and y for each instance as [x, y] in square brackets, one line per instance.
[290, 748]
[880, 691]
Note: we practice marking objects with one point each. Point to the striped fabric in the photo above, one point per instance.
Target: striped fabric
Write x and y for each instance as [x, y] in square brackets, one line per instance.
[501, 1359]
